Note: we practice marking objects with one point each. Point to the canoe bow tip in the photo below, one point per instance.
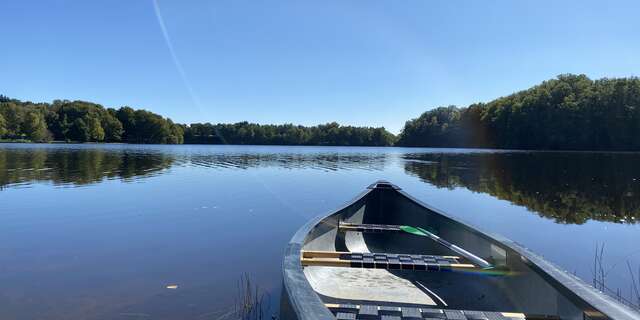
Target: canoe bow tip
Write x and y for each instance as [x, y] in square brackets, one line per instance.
[383, 184]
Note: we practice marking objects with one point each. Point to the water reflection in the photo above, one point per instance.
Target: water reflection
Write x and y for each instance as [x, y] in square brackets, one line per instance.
[81, 166]
[205, 215]
[319, 161]
[20, 167]
[566, 187]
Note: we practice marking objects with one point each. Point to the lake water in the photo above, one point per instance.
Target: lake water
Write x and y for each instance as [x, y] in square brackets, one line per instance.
[100, 231]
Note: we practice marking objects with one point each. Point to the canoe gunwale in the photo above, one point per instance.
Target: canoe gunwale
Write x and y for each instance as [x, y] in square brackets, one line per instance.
[559, 278]
[302, 298]
[307, 305]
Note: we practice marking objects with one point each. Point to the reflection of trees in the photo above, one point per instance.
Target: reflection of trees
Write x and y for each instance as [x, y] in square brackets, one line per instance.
[86, 166]
[321, 161]
[76, 166]
[567, 187]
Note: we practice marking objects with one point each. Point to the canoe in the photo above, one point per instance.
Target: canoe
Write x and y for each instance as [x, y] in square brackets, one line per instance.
[386, 255]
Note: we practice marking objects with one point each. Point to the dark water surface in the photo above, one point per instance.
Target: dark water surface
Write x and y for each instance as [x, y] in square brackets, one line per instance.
[100, 231]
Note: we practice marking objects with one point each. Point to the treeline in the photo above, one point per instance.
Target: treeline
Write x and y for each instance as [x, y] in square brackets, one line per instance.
[80, 121]
[571, 112]
[331, 134]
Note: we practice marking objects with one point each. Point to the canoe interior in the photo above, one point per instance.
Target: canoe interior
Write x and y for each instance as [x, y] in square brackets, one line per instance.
[520, 286]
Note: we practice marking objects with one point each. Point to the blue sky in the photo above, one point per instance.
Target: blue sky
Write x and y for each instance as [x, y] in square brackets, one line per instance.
[374, 63]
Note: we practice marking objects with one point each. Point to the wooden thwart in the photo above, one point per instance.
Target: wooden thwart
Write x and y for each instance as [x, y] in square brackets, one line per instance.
[325, 262]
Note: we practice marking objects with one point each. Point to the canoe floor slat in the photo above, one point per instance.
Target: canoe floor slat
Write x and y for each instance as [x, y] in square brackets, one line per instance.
[369, 228]
[379, 228]
[337, 254]
[351, 311]
[383, 261]
[329, 262]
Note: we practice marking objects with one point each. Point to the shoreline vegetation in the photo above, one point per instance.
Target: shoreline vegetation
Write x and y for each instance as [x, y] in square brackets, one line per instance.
[570, 112]
[81, 121]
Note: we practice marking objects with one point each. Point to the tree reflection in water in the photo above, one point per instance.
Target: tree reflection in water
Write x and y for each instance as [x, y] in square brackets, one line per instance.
[569, 187]
[81, 166]
[76, 167]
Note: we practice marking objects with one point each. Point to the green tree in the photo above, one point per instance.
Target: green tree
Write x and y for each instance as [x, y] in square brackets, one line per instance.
[13, 115]
[3, 124]
[79, 131]
[177, 134]
[94, 128]
[112, 126]
[127, 118]
[34, 127]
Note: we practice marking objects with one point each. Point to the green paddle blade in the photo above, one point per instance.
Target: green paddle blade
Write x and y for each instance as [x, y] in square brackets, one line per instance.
[417, 231]
[413, 230]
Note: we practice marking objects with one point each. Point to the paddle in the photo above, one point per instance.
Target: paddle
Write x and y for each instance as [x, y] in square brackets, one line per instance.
[424, 233]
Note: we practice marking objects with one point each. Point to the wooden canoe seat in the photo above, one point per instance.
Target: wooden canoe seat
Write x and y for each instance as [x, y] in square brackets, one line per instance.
[382, 261]
[373, 312]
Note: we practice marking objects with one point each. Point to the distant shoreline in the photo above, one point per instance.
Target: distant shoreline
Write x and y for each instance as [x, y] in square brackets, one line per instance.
[195, 144]
[82, 121]
[569, 113]
[472, 149]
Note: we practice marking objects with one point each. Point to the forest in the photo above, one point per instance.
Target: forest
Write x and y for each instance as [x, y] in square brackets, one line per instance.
[80, 121]
[331, 134]
[571, 112]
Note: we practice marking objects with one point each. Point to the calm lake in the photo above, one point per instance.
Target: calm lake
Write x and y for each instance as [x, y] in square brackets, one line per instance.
[101, 231]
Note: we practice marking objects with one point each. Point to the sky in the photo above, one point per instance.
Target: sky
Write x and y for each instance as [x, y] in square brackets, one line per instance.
[365, 63]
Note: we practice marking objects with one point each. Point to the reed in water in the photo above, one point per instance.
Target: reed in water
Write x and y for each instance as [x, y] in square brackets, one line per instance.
[600, 273]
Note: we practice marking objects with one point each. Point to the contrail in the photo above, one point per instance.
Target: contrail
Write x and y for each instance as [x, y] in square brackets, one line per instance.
[187, 84]
[176, 61]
